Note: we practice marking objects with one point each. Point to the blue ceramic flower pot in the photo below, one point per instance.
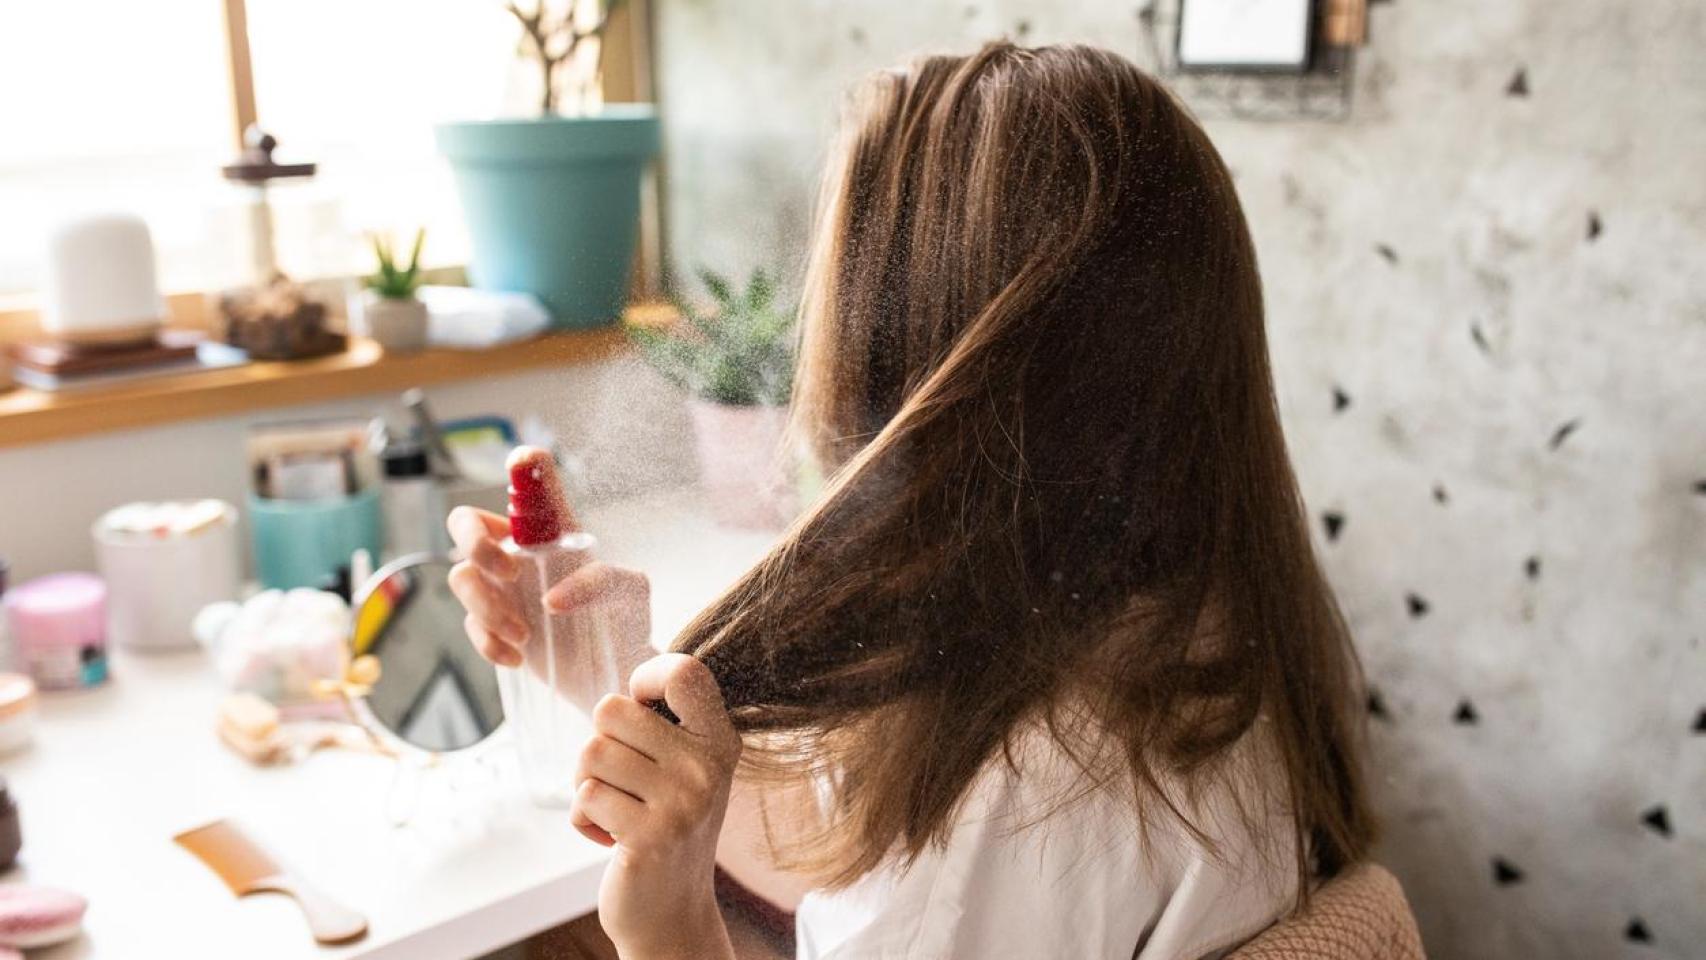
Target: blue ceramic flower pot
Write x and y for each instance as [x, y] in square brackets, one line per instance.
[553, 205]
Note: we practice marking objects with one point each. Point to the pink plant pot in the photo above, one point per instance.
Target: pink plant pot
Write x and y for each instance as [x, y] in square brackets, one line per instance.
[742, 466]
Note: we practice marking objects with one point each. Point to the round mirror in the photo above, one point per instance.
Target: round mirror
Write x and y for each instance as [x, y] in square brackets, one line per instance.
[434, 690]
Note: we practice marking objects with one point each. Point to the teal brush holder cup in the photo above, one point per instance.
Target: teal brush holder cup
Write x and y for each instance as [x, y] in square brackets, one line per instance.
[301, 543]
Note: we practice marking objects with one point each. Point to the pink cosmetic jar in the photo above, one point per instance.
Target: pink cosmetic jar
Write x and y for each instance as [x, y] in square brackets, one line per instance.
[58, 625]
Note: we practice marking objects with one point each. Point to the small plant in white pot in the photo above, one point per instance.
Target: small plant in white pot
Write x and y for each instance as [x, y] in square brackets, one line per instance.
[737, 364]
[390, 312]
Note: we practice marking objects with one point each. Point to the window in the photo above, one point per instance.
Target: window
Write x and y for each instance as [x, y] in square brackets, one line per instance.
[119, 105]
[357, 86]
[108, 104]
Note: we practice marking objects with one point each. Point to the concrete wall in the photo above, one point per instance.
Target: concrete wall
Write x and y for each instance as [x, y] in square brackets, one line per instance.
[1489, 325]
[623, 422]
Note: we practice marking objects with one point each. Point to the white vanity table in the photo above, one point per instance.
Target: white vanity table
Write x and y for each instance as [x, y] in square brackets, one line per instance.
[115, 772]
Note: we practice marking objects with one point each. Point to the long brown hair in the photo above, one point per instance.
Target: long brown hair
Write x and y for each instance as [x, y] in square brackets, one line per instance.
[1033, 355]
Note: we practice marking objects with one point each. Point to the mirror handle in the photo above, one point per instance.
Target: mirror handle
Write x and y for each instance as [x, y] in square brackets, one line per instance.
[662, 709]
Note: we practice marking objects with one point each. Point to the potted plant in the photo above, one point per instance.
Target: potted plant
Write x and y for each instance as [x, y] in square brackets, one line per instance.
[737, 364]
[390, 312]
[553, 202]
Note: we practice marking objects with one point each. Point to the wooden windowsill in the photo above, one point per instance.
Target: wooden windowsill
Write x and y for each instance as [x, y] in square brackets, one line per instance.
[31, 416]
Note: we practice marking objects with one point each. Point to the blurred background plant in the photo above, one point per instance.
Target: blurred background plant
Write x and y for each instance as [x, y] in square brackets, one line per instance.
[740, 353]
[395, 282]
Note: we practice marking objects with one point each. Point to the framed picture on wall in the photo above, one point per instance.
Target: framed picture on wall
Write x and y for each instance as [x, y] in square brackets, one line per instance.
[1254, 35]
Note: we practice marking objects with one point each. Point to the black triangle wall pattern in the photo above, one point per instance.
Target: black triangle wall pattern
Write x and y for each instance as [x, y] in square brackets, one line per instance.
[1505, 873]
[1657, 819]
[1637, 932]
[1416, 604]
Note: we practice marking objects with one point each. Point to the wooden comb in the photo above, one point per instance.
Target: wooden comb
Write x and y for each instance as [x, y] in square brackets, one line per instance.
[247, 868]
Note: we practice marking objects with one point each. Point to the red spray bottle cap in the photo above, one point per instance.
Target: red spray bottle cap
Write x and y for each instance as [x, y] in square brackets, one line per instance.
[537, 512]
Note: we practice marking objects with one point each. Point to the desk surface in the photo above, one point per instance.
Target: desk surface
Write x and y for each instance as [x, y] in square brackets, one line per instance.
[115, 772]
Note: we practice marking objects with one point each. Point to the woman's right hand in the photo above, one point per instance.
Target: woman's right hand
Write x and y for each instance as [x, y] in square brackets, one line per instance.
[483, 580]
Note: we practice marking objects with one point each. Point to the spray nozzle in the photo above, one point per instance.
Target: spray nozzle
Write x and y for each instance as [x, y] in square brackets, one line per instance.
[538, 514]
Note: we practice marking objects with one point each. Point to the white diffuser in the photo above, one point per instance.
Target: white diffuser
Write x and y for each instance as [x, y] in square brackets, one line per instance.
[99, 285]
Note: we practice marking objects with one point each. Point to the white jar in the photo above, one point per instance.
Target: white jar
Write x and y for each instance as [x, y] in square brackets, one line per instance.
[99, 285]
[162, 563]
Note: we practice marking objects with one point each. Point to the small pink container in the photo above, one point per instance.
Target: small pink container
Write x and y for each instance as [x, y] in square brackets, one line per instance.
[58, 625]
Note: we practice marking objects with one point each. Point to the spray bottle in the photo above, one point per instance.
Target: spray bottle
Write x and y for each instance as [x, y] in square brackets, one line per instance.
[568, 659]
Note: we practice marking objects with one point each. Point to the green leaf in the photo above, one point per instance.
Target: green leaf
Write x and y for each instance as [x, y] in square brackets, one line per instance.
[718, 285]
[760, 291]
[741, 354]
[390, 280]
[415, 255]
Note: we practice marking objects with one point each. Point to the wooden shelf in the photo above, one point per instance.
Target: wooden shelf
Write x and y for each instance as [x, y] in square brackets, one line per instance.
[31, 416]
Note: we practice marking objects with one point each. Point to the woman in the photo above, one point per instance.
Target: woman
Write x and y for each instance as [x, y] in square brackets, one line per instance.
[1050, 669]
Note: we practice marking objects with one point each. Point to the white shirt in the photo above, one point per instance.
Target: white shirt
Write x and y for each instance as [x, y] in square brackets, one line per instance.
[1081, 883]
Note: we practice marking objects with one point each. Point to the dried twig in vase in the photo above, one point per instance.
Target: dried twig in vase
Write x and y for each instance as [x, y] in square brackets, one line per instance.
[556, 42]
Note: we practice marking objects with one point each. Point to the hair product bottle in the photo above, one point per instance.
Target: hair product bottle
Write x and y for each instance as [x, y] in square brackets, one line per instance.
[568, 661]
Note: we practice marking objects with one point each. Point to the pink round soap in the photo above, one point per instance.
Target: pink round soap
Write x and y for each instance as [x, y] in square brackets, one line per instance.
[32, 916]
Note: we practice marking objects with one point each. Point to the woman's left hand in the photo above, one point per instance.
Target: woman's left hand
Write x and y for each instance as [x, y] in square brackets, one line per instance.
[657, 792]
